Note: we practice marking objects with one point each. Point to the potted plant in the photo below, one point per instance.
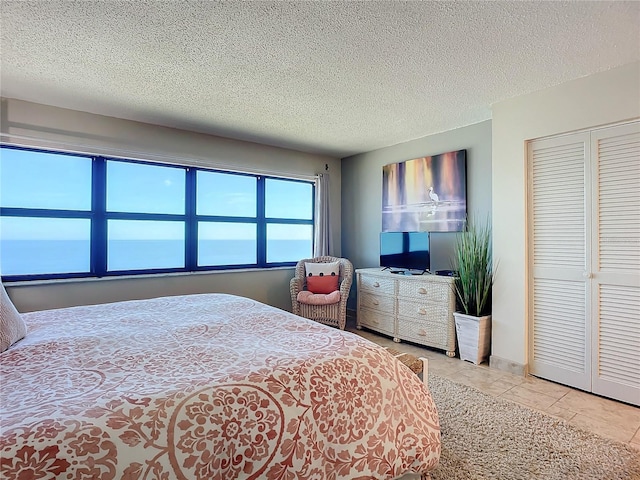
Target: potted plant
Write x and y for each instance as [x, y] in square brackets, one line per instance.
[473, 286]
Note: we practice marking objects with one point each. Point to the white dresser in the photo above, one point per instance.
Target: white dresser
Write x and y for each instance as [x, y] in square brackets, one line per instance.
[415, 308]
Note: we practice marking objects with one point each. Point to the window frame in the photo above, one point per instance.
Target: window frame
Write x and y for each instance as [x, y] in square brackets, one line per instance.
[99, 217]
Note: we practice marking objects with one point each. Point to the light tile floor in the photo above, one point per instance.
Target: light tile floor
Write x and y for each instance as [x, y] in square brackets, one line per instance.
[605, 417]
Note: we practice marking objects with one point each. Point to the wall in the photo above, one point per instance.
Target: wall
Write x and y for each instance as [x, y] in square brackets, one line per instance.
[362, 192]
[35, 125]
[592, 101]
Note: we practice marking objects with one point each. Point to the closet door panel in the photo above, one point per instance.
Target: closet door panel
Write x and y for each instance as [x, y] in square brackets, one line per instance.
[560, 344]
[617, 372]
[616, 262]
[617, 188]
[560, 337]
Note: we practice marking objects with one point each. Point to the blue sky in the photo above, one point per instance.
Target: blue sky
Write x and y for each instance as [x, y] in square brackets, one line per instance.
[42, 180]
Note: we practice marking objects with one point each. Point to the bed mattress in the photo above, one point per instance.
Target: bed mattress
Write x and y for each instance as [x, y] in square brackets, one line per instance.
[208, 386]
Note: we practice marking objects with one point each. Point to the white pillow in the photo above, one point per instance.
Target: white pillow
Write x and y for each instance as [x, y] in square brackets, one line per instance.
[12, 326]
[324, 269]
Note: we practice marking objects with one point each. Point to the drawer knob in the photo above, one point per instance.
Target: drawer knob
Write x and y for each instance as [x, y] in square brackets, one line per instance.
[422, 333]
[376, 284]
[422, 290]
[422, 311]
[376, 302]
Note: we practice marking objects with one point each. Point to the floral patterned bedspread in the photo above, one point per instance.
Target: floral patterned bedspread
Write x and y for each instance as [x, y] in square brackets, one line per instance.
[207, 386]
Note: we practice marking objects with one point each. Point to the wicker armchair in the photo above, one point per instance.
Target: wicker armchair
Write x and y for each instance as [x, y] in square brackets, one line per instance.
[333, 314]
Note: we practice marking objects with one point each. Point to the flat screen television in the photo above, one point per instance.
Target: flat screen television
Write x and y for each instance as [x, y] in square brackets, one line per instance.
[405, 250]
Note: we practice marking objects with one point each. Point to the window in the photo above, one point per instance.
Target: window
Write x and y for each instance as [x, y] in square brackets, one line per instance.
[65, 215]
[145, 245]
[144, 188]
[45, 202]
[43, 245]
[289, 220]
[44, 180]
[287, 242]
[227, 212]
[145, 212]
[221, 243]
[226, 194]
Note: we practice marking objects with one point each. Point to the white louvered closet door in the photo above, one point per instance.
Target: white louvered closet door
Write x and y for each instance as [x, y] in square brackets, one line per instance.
[559, 334]
[616, 262]
[584, 254]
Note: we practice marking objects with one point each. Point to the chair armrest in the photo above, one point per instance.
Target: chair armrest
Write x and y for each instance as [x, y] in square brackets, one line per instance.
[345, 287]
[296, 285]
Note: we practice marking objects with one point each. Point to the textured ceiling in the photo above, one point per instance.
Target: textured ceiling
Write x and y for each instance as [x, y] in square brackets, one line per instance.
[335, 78]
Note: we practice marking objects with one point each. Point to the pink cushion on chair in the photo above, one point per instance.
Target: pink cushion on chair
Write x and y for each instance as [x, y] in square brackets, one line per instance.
[322, 284]
[318, 298]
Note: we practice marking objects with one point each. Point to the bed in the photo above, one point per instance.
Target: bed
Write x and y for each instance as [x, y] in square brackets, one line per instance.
[209, 386]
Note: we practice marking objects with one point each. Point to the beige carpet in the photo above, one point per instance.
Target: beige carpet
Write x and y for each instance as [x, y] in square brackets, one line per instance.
[488, 438]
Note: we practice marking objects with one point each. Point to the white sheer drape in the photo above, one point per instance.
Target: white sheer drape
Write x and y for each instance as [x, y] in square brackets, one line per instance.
[322, 240]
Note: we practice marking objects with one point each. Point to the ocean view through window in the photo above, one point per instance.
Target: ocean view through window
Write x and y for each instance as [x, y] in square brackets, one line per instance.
[100, 216]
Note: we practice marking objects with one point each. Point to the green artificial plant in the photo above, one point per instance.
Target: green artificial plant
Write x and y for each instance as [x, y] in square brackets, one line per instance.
[475, 270]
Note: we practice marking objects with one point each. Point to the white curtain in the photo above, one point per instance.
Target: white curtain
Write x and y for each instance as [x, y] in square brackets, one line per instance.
[322, 240]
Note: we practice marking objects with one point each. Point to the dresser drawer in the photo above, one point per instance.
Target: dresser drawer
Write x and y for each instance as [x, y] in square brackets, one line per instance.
[373, 284]
[436, 336]
[381, 303]
[432, 291]
[375, 320]
[425, 311]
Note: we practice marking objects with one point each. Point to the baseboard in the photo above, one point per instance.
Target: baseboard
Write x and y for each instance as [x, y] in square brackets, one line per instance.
[508, 366]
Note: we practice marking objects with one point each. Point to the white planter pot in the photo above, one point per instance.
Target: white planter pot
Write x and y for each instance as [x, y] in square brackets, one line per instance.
[474, 337]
